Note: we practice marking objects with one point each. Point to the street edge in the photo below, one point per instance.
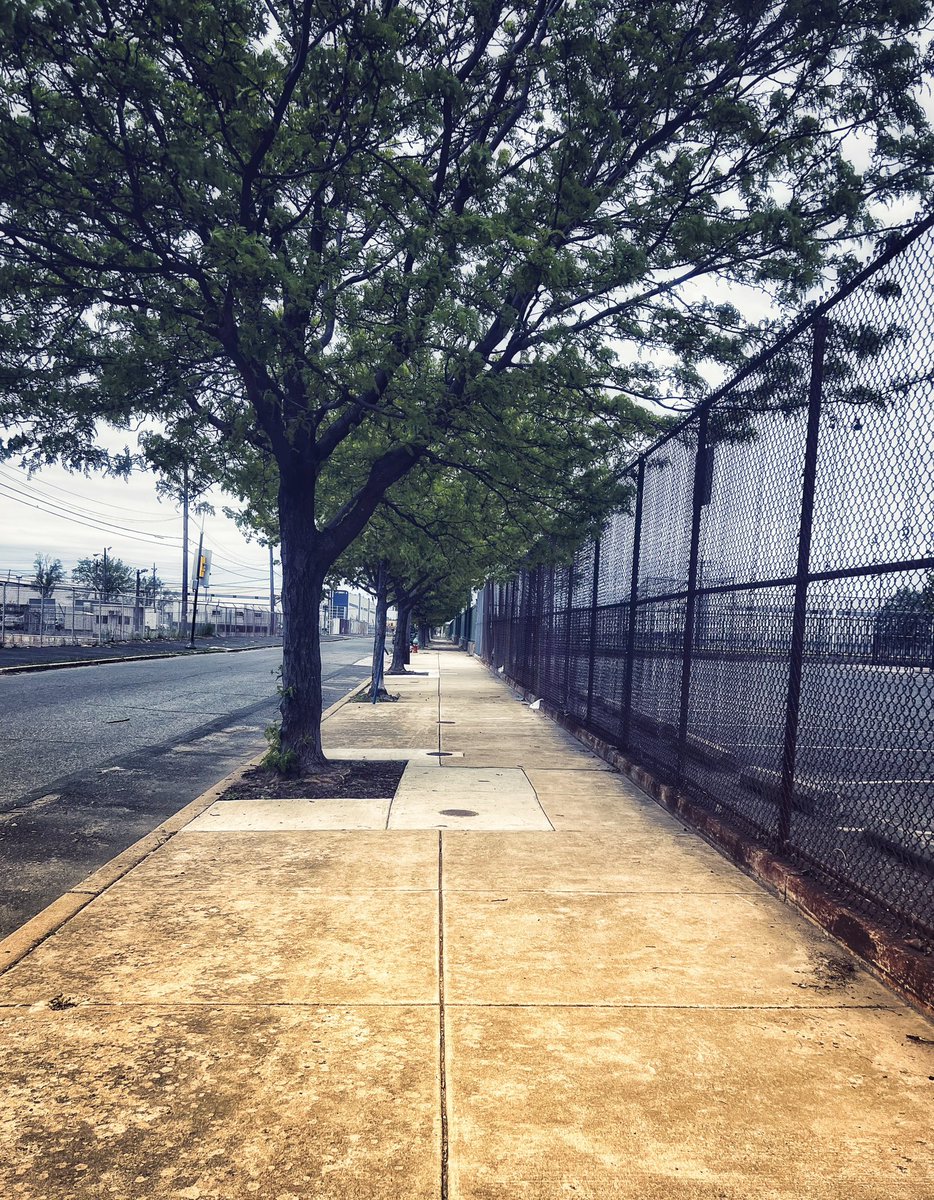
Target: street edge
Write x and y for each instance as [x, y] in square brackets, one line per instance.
[16, 945]
[909, 973]
[29, 668]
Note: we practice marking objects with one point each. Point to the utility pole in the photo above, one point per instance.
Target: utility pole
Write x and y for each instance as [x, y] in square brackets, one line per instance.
[185, 545]
[194, 607]
[104, 596]
[272, 594]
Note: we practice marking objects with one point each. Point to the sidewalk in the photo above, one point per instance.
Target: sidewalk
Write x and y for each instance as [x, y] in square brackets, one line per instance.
[520, 980]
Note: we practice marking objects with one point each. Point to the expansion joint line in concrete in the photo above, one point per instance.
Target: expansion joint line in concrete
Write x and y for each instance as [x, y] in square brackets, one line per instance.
[442, 1054]
[440, 735]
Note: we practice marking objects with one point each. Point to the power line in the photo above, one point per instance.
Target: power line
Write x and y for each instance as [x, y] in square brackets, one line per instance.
[236, 562]
[156, 540]
[30, 481]
[11, 483]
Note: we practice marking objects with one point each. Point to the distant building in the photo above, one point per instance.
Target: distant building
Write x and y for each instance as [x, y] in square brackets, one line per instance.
[351, 611]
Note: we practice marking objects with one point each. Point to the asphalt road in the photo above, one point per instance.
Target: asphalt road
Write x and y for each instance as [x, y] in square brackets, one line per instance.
[93, 758]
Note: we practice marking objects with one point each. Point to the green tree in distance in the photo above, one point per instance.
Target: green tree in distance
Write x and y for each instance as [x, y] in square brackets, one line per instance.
[49, 574]
[152, 588]
[107, 582]
[351, 234]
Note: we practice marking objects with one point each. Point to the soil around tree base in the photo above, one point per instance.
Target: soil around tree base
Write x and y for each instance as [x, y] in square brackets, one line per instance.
[341, 780]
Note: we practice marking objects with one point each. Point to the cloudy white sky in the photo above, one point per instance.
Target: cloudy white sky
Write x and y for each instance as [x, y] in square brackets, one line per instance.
[73, 516]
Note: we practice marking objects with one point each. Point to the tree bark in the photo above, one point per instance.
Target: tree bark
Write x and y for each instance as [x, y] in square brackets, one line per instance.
[379, 638]
[400, 639]
[303, 574]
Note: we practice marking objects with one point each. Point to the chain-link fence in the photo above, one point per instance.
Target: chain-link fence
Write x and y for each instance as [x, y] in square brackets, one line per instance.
[32, 616]
[758, 627]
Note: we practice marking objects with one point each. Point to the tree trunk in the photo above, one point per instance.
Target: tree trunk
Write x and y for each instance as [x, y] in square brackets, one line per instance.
[400, 640]
[379, 638]
[302, 583]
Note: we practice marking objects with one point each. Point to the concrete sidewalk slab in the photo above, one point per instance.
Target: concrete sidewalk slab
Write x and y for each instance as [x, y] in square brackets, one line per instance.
[544, 948]
[421, 754]
[472, 799]
[220, 1103]
[259, 947]
[335, 863]
[410, 722]
[644, 1104]
[522, 739]
[575, 801]
[625, 1017]
[634, 861]
[259, 816]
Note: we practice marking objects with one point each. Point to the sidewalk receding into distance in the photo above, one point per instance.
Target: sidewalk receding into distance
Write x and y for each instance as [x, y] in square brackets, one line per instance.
[518, 979]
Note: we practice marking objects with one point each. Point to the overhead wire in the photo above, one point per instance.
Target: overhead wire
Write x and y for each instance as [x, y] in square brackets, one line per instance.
[24, 479]
[166, 541]
[24, 491]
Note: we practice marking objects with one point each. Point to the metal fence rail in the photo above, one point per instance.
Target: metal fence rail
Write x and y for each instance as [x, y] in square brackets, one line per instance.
[70, 615]
[758, 627]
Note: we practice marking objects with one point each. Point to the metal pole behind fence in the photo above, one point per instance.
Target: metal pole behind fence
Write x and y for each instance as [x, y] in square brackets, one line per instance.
[567, 638]
[3, 616]
[535, 643]
[799, 617]
[687, 660]
[594, 596]
[625, 735]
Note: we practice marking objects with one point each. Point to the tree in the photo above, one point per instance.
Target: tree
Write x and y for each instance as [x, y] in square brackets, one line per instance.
[350, 234]
[903, 626]
[152, 588]
[49, 574]
[442, 531]
[107, 577]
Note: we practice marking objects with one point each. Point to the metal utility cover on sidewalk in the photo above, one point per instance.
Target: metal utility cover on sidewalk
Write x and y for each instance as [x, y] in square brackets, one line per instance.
[493, 798]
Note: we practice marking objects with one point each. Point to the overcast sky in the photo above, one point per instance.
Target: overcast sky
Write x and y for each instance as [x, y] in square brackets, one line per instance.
[73, 516]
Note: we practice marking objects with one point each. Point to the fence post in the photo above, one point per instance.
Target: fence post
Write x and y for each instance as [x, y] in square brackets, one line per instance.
[687, 660]
[593, 626]
[626, 718]
[533, 642]
[3, 616]
[567, 636]
[799, 617]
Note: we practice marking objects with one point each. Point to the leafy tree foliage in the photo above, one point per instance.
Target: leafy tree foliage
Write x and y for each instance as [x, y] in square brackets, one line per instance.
[348, 235]
[49, 574]
[152, 588]
[107, 578]
[441, 531]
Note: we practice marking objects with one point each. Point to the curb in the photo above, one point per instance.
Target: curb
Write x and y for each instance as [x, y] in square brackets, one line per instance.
[907, 971]
[22, 941]
[26, 668]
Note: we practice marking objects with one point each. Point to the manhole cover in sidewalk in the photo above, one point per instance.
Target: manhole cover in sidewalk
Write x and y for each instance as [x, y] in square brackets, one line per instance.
[458, 812]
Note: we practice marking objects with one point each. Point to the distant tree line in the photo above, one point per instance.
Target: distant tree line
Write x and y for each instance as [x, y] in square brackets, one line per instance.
[107, 577]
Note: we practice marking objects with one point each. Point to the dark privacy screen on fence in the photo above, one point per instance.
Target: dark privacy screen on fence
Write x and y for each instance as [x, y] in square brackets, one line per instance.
[757, 628]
